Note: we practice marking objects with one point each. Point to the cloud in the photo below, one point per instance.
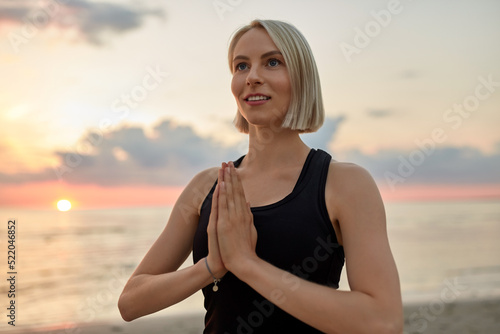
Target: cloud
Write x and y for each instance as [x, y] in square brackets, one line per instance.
[444, 165]
[325, 135]
[13, 11]
[409, 74]
[379, 113]
[127, 156]
[173, 154]
[92, 19]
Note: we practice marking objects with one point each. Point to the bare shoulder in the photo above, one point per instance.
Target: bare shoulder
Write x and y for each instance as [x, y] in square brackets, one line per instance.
[349, 176]
[207, 175]
[349, 186]
[197, 189]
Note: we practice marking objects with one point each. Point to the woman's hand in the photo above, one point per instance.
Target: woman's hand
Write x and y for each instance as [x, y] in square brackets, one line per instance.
[236, 231]
[214, 257]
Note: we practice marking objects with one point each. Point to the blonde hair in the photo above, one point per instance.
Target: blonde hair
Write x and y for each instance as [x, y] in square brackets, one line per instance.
[306, 112]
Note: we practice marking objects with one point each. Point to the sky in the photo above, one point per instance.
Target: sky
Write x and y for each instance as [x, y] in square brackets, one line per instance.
[120, 103]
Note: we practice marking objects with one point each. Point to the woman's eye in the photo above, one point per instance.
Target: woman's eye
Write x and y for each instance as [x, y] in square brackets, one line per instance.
[241, 67]
[274, 62]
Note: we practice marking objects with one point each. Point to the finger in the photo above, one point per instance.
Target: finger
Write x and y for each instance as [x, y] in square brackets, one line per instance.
[221, 172]
[222, 202]
[237, 187]
[228, 182]
[212, 221]
[215, 198]
[220, 180]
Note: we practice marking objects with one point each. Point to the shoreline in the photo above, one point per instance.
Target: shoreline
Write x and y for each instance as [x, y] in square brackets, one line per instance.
[458, 317]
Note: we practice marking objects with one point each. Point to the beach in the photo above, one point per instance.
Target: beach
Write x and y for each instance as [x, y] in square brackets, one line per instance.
[459, 317]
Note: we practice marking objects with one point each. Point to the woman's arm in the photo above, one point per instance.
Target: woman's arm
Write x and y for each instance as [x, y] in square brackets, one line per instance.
[374, 303]
[156, 283]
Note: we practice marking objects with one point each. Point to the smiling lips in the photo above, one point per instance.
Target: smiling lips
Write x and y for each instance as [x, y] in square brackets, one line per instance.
[256, 99]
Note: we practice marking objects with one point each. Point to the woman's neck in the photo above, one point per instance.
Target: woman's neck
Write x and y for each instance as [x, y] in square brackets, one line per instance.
[271, 148]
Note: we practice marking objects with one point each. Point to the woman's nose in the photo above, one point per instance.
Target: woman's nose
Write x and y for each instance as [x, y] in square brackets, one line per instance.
[254, 76]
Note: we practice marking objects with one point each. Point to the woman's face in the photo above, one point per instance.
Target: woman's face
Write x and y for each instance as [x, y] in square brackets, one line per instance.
[260, 84]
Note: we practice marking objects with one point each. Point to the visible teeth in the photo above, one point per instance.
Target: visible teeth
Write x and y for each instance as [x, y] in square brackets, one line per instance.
[258, 98]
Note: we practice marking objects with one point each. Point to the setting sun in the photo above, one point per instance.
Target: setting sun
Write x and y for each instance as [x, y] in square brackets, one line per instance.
[63, 205]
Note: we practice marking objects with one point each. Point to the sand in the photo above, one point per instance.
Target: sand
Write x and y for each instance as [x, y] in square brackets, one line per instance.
[464, 317]
[460, 317]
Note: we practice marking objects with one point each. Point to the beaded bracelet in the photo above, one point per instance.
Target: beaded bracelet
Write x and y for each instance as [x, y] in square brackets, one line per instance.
[216, 280]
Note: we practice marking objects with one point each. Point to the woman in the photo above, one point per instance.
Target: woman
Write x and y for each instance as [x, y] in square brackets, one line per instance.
[270, 231]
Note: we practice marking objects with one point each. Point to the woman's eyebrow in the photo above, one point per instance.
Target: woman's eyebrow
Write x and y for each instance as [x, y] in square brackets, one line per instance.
[265, 55]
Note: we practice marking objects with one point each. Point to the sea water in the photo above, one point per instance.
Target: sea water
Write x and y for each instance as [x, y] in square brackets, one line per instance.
[72, 266]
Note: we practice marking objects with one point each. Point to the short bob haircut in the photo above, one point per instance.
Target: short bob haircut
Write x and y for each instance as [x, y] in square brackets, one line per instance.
[306, 112]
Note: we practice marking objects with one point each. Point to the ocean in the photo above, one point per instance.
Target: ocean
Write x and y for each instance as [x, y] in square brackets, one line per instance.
[71, 266]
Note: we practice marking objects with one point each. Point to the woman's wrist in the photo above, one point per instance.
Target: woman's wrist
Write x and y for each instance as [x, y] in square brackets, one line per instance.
[242, 268]
[215, 279]
[217, 268]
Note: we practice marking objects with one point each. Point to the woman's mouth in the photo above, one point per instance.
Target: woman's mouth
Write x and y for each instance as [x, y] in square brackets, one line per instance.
[257, 99]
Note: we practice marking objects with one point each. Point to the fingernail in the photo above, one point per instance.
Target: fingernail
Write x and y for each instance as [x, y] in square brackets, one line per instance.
[228, 170]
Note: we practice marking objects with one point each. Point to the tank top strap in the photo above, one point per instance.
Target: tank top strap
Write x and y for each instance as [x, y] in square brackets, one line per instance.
[315, 169]
[238, 161]
[312, 185]
[323, 162]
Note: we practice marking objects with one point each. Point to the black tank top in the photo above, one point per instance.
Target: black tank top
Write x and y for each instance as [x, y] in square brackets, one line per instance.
[294, 234]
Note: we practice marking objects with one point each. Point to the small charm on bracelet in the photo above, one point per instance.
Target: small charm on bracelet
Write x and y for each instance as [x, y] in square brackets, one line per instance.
[215, 287]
